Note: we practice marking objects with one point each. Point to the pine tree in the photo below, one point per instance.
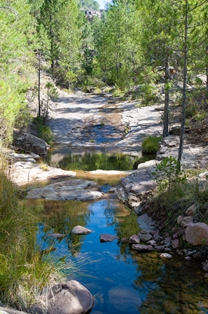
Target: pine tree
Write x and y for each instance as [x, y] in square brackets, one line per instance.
[17, 29]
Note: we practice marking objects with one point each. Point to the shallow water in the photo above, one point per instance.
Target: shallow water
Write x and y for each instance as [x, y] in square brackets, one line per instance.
[121, 280]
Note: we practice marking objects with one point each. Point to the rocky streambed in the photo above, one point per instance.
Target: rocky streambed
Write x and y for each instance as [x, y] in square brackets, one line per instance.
[88, 122]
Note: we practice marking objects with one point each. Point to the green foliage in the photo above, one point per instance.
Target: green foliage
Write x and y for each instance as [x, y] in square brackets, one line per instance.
[167, 174]
[150, 144]
[44, 131]
[16, 57]
[89, 4]
[23, 271]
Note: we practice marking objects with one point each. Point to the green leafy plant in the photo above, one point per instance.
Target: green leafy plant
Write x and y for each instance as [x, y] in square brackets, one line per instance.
[167, 173]
[150, 144]
[43, 131]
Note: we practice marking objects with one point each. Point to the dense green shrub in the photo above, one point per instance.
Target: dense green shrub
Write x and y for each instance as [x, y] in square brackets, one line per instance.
[150, 144]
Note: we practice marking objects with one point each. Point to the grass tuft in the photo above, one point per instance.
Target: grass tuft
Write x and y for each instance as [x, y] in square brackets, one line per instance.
[150, 144]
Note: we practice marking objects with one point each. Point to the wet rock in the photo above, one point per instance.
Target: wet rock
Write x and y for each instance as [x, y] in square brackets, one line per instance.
[159, 248]
[134, 239]
[82, 190]
[107, 238]
[142, 248]
[55, 235]
[124, 300]
[191, 210]
[66, 298]
[121, 194]
[166, 256]
[81, 230]
[167, 241]
[197, 234]
[152, 242]
[144, 236]
[156, 236]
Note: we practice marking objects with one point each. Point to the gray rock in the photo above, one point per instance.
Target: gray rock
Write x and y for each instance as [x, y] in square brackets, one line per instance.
[142, 248]
[146, 223]
[179, 219]
[166, 256]
[191, 210]
[24, 172]
[81, 230]
[197, 234]
[144, 236]
[30, 143]
[186, 221]
[137, 187]
[68, 190]
[55, 235]
[66, 298]
[107, 238]
[175, 243]
[8, 310]
[134, 239]
[159, 248]
[152, 242]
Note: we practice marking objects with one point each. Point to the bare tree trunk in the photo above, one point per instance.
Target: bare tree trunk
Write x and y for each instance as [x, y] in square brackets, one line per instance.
[167, 97]
[183, 114]
[39, 100]
[207, 72]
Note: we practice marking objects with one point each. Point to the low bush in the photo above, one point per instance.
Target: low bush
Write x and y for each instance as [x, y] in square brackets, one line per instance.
[44, 131]
[150, 144]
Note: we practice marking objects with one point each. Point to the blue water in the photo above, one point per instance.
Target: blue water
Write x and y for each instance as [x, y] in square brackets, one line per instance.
[121, 280]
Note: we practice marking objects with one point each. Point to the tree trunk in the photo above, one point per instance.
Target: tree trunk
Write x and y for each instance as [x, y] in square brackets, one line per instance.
[183, 114]
[167, 97]
[207, 72]
[39, 100]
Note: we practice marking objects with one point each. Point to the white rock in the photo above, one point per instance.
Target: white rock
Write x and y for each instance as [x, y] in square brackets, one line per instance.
[81, 230]
[166, 256]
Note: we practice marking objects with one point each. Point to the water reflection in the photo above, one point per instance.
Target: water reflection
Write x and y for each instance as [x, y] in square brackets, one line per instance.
[121, 280]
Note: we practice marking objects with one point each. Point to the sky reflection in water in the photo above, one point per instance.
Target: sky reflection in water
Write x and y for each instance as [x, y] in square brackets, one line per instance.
[122, 281]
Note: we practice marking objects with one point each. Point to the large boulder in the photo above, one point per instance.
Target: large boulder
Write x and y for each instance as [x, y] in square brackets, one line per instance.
[30, 143]
[197, 233]
[82, 190]
[138, 186]
[66, 298]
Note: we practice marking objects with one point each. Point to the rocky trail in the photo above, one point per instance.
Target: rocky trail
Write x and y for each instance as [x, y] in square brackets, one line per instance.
[91, 121]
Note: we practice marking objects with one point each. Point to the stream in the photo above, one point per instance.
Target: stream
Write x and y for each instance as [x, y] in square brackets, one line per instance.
[121, 280]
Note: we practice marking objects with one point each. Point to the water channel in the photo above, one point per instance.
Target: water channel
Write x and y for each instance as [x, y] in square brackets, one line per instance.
[121, 280]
